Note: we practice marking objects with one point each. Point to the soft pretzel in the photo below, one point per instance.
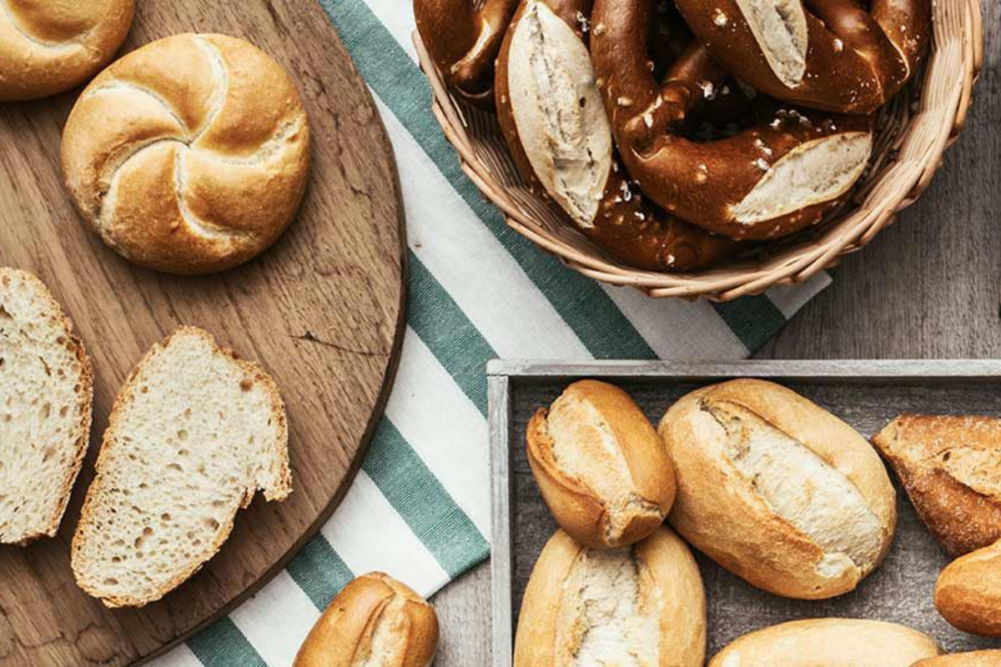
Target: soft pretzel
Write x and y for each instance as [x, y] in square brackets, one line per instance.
[48, 46]
[552, 116]
[826, 54]
[189, 155]
[767, 181]
[464, 42]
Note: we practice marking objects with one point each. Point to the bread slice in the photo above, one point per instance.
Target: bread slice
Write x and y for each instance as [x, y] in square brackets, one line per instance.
[951, 470]
[194, 434]
[46, 394]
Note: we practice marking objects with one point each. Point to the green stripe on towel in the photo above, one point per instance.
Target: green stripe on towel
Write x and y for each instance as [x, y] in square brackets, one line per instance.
[399, 83]
[223, 645]
[420, 499]
[319, 571]
[753, 319]
[448, 333]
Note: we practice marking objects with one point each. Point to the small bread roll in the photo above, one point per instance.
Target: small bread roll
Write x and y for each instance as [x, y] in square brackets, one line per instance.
[951, 470]
[778, 490]
[375, 622]
[968, 592]
[640, 605]
[48, 46]
[974, 659]
[601, 466]
[830, 642]
[189, 155]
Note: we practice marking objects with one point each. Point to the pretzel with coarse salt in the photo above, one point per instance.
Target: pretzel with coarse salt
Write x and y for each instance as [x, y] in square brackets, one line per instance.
[551, 113]
[826, 54]
[768, 181]
[464, 42]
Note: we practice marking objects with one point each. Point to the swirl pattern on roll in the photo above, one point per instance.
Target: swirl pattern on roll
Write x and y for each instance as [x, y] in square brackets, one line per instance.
[48, 46]
[189, 155]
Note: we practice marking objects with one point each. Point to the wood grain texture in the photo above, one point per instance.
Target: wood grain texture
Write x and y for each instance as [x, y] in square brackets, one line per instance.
[321, 310]
[925, 288]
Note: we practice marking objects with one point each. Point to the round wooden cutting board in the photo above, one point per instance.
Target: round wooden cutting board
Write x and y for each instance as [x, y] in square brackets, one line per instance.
[322, 310]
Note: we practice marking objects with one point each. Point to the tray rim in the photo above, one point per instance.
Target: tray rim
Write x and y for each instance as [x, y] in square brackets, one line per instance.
[504, 374]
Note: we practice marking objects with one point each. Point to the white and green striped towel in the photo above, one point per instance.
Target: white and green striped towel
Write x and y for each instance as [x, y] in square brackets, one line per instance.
[419, 509]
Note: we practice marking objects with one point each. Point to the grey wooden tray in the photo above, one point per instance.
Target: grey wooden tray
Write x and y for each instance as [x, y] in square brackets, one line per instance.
[866, 394]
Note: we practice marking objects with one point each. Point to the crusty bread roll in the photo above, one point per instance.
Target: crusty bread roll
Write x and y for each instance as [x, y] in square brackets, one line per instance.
[46, 394]
[974, 659]
[778, 490]
[829, 642]
[189, 155]
[968, 592]
[601, 465]
[640, 605]
[375, 622]
[951, 470]
[48, 46]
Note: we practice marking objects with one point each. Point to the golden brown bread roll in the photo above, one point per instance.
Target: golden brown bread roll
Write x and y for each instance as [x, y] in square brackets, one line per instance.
[601, 466]
[778, 490]
[968, 592]
[974, 659]
[48, 46]
[375, 622]
[829, 642]
[951, 470]
[641, 605]
[189, 155]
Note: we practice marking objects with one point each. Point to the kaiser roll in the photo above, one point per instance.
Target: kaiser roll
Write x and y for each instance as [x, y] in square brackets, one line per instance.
[189, 155]
[48, 46]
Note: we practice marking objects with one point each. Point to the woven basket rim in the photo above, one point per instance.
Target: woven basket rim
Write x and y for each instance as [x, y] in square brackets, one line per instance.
[943, 101]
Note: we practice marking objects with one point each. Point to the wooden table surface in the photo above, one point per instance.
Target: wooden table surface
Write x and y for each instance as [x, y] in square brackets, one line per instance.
[926, 288]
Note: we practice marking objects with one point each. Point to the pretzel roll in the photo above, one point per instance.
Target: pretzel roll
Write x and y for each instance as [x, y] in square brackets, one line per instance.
[768, 181]
[550, 111]
[464, 41]
[48, 46]
[827, 54]
[189, 155]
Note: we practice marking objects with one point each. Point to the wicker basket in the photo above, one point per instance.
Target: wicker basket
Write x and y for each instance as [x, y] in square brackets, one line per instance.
[913, 132]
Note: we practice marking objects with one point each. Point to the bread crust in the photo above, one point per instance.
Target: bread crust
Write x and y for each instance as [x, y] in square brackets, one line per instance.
[345, 630]
[278, 491]
[950, 468]
[85, 402]
[738, 529]
[584, 512]
[49, 46]
[973, 659]
[831, 642]
[463, 42]
[667, 573]
[709, 183]
[968, 592]
[854, 61]
[190, 155]
[630, 228]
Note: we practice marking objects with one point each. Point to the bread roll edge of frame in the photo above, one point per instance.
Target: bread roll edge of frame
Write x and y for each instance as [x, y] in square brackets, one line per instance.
[601, 466]
[833, 642]
[968, 593]
[374, 612]
[751, 437]
[654, 589]
[988, 658]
